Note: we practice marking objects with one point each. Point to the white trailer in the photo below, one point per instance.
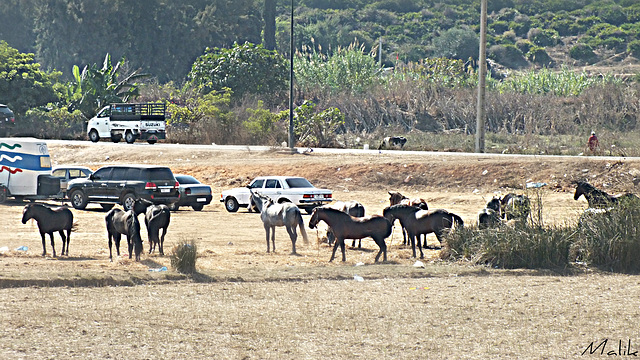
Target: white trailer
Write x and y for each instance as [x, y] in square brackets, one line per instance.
[25, 170]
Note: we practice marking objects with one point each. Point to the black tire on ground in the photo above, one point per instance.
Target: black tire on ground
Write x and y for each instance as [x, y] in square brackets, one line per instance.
[93, 136]
[78, 199]
[231, 204]
[197, 207]
[107, 207]
[152, 141]
[174, 207]
[129, 137]
[127, 201]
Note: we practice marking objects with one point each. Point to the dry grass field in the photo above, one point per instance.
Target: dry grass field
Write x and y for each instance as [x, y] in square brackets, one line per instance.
[246, 304]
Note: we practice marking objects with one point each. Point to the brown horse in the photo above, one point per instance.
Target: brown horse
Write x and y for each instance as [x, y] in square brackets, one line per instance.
[352, 208]
[396, 198]
[598, 198]
[345, 226]
[50, 220]
[418, 222]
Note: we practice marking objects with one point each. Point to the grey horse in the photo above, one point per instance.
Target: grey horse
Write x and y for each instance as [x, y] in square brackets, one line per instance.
[285, 214]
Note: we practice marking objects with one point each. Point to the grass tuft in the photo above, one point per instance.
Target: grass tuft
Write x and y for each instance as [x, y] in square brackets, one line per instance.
[184, 256]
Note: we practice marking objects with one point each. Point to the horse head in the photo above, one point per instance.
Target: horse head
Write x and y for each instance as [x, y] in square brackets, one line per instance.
[582, 188]
[494, 204]
[27, 213]
[395, 197]
[313, 222]
[140, 206]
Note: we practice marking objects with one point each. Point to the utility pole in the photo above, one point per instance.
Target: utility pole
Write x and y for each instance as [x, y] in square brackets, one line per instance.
[482, 76]
[291, 137]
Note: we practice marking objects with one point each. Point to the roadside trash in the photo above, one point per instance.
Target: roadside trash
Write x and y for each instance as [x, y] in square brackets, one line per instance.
[22, 248]
[4, 249]
[535, 185]
[360, 264]
[419, 264]
[419, 288]
[358, 278]
[164, 268]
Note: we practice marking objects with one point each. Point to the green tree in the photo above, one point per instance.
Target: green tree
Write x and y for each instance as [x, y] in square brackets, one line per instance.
[457, 43]
[315, 128]
[96, 87]
[22, 84]
[245, 69]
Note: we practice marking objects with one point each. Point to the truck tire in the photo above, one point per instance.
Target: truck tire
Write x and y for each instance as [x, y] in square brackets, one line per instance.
[93, 136]
[231, 204]
[127, 201]
[129, 137]
[152, 141]
[78, 199]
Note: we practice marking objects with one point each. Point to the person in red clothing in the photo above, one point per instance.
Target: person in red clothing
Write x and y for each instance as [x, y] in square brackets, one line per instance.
[593, 143]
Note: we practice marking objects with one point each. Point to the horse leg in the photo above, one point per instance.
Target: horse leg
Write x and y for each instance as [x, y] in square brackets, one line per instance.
[413, 238]
[267, 229]
[110, 253]
[438, 236]
[116, 238]
[53, 246]
[335, 247]
[273, 238]
[68, 240]
[64, 241]
[161, 244]
[342, 247]
[383, 249]
[44, 247]
[293, 236]
[130, 245]
[420, 244]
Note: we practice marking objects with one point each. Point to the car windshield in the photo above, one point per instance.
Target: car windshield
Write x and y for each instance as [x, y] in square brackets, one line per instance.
[186, 179]
[298, 183]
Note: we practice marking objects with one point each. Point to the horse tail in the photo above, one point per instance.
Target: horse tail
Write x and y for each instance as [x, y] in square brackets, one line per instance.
[305, 238]
[456, 220]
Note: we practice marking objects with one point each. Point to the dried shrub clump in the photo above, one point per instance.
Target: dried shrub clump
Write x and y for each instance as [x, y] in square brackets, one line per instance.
[184, 256]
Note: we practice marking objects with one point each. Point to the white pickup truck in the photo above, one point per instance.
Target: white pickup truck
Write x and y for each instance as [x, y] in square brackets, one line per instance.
[296, 190]
[144, 121]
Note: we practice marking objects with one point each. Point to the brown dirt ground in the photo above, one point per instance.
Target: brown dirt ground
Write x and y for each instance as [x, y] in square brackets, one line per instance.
[245, 303]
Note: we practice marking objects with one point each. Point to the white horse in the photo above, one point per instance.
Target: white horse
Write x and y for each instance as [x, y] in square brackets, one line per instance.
[285, 214]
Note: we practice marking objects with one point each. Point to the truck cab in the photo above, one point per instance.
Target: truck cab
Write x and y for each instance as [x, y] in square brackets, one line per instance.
[144, 121]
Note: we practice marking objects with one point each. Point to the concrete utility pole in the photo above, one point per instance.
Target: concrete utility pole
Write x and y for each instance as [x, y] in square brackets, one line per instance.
[482, 76]
[291, 137]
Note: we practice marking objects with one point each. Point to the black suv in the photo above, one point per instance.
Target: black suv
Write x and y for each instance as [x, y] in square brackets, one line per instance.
[7, 120]
[123, 184]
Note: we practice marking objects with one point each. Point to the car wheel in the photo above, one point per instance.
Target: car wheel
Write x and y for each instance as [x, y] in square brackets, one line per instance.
[127, 201]
[198, 207]
[231, 204]
[129, 137]
[106, 207]
[152, 141]
[3, 194]
[93, 136]
[78, 199]
[174, 207]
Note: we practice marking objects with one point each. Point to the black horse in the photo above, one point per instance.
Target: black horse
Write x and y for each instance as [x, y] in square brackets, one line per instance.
[49, 220]
[126, 223]
[600, 199]
[156, 217]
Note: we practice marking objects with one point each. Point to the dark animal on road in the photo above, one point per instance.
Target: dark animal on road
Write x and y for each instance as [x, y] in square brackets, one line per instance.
[598, 198]
[285, 214]
[156, 218]
[49, 220]
[418, 222]
[514, 206]
[120, 222]
[345, 226]
[392, 142]
[352, 208]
